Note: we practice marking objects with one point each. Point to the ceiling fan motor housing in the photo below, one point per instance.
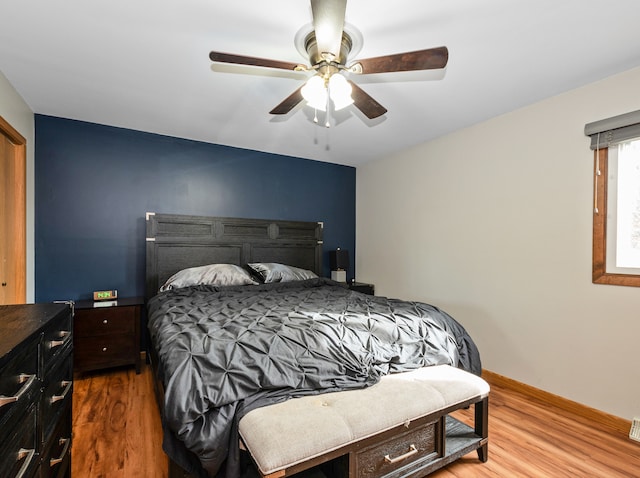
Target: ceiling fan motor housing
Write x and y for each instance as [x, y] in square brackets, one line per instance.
[317, 58]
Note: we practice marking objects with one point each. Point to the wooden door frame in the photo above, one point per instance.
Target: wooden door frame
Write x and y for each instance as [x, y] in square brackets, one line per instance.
[18, 199]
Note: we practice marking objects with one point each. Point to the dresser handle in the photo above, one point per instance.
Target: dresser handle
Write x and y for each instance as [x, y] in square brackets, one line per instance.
[67, 384]
[65, 450]
[22, 452]
[105, 321]
[29, 379]
[412, 451]
[66, 336]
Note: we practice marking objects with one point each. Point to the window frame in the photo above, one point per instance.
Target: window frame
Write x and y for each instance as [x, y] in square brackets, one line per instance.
[599, 270]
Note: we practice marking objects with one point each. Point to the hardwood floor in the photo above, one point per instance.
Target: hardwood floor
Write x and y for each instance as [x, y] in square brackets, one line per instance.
[117, 433]
[116, 426]
[530, 438]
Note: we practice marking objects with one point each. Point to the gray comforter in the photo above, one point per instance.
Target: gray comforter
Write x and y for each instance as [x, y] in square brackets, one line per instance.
[225, 350]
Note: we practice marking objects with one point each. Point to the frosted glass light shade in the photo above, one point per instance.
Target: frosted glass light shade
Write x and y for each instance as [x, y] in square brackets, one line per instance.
[315, 93]
[340, 91]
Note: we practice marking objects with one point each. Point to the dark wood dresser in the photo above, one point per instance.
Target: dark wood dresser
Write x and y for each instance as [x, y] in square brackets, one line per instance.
[36, 373]
[107, 336]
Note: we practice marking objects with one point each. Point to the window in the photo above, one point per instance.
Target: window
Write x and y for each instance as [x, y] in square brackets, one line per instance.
[616, 208]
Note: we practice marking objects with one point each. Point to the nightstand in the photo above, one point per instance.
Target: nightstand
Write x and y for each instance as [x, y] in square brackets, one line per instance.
[362, 287]
[107, 336]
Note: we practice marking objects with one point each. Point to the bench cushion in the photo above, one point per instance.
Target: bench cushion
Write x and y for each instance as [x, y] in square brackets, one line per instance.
[291, 432]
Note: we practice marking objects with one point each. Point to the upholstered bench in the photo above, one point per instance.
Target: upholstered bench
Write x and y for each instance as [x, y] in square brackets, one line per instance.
[398, 427]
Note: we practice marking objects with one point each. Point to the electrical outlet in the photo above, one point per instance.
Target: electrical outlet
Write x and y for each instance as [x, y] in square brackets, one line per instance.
[634, 434]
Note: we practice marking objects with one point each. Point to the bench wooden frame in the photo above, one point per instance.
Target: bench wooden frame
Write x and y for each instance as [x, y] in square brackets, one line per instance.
[399, 427]
[447, 437]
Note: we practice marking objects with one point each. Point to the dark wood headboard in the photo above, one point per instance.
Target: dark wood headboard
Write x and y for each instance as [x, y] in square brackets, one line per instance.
[175, 242]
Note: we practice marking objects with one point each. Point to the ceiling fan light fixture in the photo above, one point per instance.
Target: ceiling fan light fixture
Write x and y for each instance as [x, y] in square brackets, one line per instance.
[340, 91]
[328, 43]
[315, 92]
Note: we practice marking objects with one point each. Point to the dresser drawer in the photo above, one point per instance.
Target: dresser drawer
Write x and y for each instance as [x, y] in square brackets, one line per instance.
[18, 383]
[21, 447]
[105, 321]
[57, 340]
[413, 448]
[57, 396]
[56, 456]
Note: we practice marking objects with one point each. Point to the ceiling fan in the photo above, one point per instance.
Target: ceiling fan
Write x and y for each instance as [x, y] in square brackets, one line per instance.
[328, 46]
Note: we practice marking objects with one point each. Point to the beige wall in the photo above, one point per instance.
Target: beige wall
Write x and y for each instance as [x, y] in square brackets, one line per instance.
[19, 115]
[493, 224]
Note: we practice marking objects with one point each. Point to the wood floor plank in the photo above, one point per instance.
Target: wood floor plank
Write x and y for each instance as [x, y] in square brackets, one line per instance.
[117, 434]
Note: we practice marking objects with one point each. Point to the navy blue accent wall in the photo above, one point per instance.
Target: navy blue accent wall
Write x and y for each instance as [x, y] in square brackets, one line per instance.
[94, 184]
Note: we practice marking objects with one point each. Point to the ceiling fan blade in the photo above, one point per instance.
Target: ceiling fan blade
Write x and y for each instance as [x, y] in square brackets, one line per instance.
[430, 59]
[365, 103]
[250, 60]
[328, 23]
[289, 103]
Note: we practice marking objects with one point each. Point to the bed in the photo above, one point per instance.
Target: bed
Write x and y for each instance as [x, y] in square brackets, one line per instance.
[223, 348]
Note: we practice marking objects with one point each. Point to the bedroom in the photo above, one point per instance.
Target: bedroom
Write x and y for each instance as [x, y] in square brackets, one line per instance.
[510, 198]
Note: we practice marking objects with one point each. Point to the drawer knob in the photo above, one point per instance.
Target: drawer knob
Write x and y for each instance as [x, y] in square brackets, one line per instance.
[104, 349]
[412, 451]
[105, 321]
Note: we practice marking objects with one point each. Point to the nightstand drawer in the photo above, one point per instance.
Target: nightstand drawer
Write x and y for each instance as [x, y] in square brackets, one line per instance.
[107, 351]
[105, 321]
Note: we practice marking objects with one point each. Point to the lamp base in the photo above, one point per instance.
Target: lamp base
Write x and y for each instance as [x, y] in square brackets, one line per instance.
[339, 276]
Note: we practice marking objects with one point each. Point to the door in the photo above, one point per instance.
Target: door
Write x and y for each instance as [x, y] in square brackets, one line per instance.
[13, 263]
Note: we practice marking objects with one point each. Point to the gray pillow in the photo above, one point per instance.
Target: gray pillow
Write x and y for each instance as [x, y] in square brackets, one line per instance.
[212, 274]
[274, 272]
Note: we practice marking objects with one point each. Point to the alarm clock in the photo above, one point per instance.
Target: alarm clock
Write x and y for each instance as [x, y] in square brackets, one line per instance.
[105, 295]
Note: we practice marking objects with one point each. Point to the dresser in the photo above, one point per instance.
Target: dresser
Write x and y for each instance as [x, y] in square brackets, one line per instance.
[36, 373]
[107, 334]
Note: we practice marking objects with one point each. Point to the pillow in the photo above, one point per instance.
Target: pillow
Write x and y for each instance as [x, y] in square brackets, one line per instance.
[274, 272]
[213, 274]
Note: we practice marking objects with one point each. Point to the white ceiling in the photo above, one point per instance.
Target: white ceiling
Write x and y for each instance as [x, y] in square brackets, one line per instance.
[144, 65]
